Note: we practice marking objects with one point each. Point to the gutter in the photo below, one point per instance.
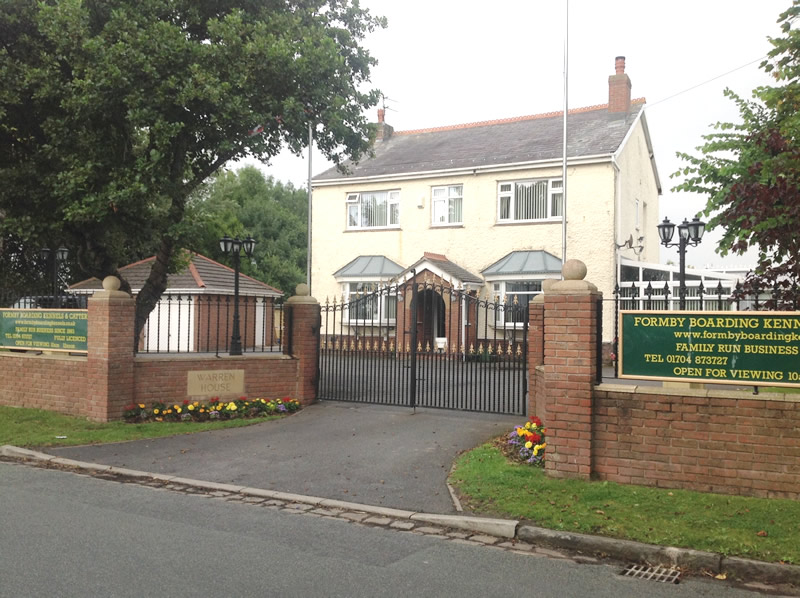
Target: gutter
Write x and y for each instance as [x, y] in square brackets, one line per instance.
[466, 170]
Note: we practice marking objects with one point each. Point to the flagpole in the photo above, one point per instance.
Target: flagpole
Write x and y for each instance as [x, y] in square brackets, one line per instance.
[564, 148]
[308, 259]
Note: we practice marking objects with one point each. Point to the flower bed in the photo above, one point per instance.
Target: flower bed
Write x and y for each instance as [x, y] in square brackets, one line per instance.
[526, 444]
[214, 409]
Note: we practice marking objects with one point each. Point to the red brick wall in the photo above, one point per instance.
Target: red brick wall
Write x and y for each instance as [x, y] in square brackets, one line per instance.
[102, 384]
[53, 382]
[305, 330]
[536, 380]
[163, 378]
[729, 442]
[109, 371]
[724, 441]
[570, 370]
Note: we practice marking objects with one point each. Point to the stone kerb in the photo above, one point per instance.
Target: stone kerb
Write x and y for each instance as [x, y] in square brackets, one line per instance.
[110, 378]
[305, 319]
[570, 334]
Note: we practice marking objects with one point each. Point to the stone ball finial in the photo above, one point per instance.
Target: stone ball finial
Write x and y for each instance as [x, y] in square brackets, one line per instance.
[573, 270]
[547, 283]
[302, 290]
[111, 283]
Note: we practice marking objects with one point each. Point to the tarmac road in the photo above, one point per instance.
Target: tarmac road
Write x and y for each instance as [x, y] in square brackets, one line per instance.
[371, 454]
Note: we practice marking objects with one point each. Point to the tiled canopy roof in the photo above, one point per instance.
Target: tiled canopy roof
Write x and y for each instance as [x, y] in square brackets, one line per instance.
[592, 131]
[370, 266]
[519, 263]
[202, 276]
[441, 262]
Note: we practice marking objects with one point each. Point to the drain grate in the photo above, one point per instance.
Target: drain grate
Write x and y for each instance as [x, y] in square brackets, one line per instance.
[661, 574]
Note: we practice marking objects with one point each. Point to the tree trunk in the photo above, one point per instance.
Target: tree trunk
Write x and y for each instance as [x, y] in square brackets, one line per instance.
[154, 286]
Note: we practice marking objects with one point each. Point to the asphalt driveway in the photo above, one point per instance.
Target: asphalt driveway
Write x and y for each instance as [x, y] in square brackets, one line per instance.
[370, 454]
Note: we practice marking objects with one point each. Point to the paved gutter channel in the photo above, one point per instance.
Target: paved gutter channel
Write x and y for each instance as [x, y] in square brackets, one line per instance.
[503, 534]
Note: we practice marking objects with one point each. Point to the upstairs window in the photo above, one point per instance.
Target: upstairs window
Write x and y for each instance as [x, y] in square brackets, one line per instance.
[530, 201]
[446, 205]
[373, 209]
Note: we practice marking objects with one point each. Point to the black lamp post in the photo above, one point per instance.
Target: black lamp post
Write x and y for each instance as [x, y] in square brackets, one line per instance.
[59, 256]
[689, 233]
[234, 248]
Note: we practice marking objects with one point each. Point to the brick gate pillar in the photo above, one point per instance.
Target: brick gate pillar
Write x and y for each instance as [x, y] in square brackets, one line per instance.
[536, 390]
[303, 318]
[570, 368]
[110, 384]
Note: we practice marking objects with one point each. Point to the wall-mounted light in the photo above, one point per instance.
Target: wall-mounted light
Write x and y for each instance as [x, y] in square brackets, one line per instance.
[637, 249]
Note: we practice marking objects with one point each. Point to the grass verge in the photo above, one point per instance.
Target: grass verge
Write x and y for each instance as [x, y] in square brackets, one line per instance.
[759, 528]
[36, 428]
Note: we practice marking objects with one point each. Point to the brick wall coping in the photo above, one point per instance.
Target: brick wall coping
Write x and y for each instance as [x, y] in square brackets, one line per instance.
[33, 355]
[736, 395]
[206, 356]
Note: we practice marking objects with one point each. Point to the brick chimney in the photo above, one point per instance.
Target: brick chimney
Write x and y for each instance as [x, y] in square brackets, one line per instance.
[384, 131]
[619, 88]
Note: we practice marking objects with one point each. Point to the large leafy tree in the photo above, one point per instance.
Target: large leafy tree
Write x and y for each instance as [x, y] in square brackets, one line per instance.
[113, 112]
[750, 172]
[246, 203]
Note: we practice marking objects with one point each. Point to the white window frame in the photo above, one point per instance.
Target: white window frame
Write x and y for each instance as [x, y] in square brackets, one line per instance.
[500, 292]
[449, 193]
[554, 196]
[355, 206]
[354, 289]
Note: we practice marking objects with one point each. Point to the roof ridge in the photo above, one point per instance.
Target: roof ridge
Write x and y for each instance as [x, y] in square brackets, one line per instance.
[512, 119]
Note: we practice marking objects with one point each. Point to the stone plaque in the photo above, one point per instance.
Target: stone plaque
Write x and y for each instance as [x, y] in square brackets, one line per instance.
[214, 383]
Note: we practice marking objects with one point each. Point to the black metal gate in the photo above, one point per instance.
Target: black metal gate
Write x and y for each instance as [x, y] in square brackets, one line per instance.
[423, 343]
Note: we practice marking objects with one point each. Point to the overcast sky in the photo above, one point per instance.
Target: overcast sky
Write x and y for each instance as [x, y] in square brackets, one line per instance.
[445, 62]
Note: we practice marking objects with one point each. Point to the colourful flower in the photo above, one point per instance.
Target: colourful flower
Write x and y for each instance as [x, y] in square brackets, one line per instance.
[527, 424]
[155, 411]
[178, 409]
[141, 405]
[191, 407]
[528, 444]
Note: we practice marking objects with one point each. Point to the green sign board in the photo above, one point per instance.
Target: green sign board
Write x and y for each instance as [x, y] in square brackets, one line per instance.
[44, 329]
[723, 347]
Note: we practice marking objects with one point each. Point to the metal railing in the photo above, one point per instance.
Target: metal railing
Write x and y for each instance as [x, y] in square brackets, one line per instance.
[183, 323]
[35, 299]
[645, 296]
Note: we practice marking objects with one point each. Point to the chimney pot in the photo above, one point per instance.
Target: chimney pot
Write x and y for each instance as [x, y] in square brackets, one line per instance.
[619, 65]
[381, 115]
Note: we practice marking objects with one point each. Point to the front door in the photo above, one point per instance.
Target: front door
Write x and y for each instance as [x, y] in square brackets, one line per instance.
[430, 319]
